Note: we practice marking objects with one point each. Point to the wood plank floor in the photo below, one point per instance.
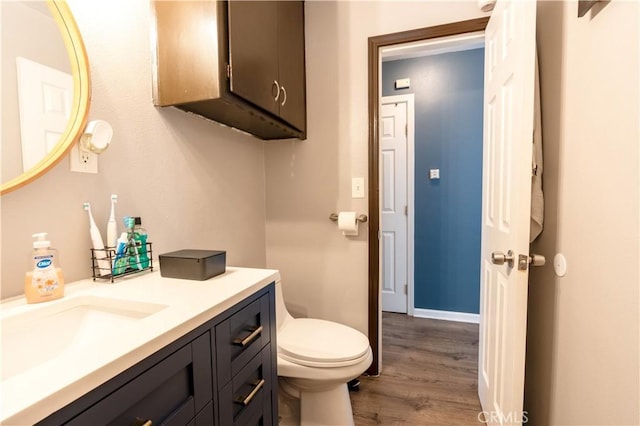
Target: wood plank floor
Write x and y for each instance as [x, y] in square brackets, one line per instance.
[429, 375]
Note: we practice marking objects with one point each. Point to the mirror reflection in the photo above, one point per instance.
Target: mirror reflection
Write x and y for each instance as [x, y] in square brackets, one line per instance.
[37, 86]
[44, 88]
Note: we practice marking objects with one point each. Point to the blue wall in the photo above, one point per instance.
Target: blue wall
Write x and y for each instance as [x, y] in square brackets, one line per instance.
[448, 92]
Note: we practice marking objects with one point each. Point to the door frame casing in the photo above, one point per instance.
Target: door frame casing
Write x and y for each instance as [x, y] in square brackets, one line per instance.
[374, 45]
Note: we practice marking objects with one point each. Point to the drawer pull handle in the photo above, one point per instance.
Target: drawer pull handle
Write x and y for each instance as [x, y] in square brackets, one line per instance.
[250, 338]
[247, 400]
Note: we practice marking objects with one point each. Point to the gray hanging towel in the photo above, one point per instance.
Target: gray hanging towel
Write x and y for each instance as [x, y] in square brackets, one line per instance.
[537, 196]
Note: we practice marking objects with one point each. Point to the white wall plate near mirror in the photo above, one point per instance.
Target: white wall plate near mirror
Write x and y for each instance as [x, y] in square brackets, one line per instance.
[44, 68]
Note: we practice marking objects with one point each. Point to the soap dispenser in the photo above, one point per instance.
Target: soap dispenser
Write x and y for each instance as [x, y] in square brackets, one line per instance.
[46, 281]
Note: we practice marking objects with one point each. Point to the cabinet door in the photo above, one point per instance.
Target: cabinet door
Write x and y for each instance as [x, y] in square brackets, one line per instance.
[171, 392]
[291, 63]
[205, 417]
[186, 52]
[253, 52]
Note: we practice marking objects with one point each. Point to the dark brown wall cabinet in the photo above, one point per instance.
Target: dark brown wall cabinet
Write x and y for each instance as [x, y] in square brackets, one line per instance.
[240, 63]
[222, 373]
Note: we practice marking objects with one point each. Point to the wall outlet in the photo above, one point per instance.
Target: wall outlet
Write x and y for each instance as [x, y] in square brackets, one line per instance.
[82, 160]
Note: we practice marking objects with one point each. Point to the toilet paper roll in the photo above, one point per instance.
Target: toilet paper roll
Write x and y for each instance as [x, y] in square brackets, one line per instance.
[348, 223]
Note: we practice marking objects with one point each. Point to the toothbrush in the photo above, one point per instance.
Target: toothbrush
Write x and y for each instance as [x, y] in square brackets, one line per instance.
[98, 244]
[112, 227]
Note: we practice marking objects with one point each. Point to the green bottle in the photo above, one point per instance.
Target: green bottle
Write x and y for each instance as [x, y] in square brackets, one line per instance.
[131, 250]
[140, 237]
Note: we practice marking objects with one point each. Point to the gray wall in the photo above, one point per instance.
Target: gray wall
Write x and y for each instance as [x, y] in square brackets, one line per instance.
[583, 329]
[194, 183]
[325, 275]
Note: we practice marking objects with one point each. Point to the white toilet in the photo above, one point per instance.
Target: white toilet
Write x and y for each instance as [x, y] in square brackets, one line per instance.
[316, 359]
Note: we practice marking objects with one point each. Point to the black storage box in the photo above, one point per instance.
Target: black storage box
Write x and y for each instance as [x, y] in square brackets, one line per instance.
[193, 264]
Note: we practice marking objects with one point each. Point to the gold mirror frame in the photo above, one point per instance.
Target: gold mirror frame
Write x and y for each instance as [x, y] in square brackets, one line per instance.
[81, 97]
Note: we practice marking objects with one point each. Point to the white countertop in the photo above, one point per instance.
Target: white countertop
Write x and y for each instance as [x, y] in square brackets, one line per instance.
[32, 395]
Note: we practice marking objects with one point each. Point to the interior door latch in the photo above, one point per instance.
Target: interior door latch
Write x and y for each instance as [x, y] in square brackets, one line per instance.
[534, 260]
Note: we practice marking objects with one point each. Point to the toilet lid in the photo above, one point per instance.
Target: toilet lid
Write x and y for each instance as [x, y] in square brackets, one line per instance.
[315, 342]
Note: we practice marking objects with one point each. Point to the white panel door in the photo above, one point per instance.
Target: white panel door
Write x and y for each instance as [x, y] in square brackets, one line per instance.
[508, 130]
[393, 205]
[45, 96]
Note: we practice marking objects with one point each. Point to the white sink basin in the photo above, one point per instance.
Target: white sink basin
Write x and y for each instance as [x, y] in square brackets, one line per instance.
[51, 329]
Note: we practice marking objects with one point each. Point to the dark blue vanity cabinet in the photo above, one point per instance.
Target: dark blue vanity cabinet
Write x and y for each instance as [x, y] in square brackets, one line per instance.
[222, 373]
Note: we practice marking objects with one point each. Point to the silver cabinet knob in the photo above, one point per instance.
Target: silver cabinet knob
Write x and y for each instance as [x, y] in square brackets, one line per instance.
[499, 258]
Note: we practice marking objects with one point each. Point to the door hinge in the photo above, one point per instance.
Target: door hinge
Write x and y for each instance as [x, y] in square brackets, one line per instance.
[406, 130]
[406, 210]
[229, 71]
[378, 234]
[406, 289]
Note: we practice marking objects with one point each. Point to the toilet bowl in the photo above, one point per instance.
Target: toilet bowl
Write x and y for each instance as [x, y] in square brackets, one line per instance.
[316, 359]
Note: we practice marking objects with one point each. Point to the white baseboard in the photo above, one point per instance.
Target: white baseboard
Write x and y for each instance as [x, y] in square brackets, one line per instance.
[446, 315]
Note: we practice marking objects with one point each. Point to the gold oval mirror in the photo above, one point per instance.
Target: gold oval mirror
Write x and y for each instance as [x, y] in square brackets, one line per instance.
[74, 104]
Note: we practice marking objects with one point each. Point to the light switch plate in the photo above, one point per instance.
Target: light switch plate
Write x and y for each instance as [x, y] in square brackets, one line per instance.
[403, 83]
[434, 174]
[357, 187]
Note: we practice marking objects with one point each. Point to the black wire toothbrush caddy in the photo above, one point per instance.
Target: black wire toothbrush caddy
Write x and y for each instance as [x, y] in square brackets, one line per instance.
[107, 264]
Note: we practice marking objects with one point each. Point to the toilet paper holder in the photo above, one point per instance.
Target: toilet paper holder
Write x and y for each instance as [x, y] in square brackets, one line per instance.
[360, 218]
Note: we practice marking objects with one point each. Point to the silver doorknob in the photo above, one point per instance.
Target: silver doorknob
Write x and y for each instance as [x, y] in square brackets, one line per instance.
[537, 259]
[499, 258]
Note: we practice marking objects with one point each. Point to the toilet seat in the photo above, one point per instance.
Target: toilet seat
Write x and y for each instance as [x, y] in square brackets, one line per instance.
[319, 343]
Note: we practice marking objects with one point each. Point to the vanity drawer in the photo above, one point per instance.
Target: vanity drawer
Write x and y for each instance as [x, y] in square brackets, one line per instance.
[241, 337]
[168, 393]
[247, 398]
[205, 417]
